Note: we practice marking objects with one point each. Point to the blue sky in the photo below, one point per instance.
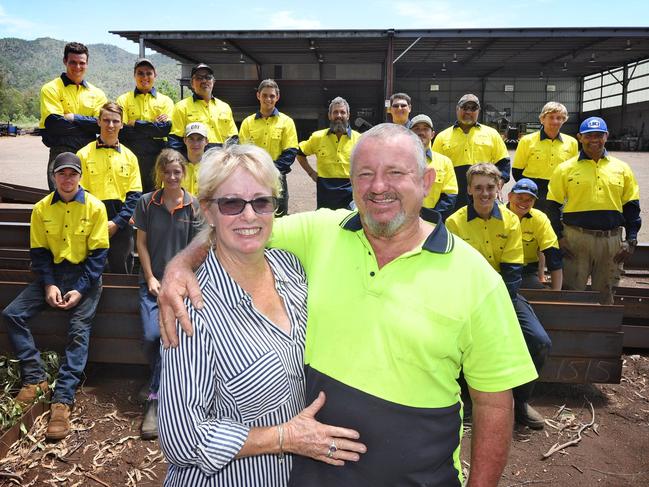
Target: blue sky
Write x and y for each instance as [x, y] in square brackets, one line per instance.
[85, 21]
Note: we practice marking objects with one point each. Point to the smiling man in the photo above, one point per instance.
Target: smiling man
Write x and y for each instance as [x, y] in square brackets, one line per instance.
[400, 108]
[202, 106]
[111, 173]
[68, 246]
[591, 197]
[147, 120]
[469, 142]
[392, 320]
[332, 148]
[274, 132]
[69, 107]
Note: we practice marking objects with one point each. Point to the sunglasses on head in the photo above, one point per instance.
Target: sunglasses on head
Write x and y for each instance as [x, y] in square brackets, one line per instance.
[234, 206]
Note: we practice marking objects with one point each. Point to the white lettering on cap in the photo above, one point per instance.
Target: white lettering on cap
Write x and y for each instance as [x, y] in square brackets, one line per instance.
[593, 124]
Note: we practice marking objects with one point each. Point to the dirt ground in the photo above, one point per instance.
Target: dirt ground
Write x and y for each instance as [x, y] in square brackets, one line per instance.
[104, 449]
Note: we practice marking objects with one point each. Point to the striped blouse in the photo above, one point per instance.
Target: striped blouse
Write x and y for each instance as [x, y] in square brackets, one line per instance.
[236, 372]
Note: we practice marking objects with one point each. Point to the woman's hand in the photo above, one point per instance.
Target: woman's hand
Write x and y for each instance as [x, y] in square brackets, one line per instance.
[154, 286]
[306, 436]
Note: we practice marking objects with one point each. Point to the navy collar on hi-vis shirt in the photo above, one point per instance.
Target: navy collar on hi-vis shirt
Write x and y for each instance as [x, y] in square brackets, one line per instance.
[544, 136]
[456, 125]
[197, 98]
[67, 81]
[153, 92]
[440, 240]
[275, 113]
[79, 197]
[349, 132]
[101, 145]
[471, 213]
[584, 157]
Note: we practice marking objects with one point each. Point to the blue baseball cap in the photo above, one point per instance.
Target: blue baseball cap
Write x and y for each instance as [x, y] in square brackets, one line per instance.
[593, 124]
[526, 186]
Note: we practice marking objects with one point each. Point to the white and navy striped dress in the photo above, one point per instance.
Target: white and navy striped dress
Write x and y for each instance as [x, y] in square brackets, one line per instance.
[236, 372]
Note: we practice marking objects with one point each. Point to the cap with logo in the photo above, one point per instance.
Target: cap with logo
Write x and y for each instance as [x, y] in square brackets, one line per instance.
[526, 186]
[196, 128]
[593, 124]
[66, 160]
[421, 119]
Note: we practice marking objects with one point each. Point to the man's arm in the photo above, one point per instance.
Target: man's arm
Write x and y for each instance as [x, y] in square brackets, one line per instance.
[313, 174]
[179, 281]
[491, 436]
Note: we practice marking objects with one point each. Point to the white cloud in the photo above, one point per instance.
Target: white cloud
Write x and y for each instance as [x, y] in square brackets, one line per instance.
[285, 19]
[435, 14]
[11, 24]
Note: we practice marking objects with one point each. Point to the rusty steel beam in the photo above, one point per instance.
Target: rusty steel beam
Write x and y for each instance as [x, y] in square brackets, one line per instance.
[640, 258]
[580, 370]
[14, 193]
[579, 316]
[635, 336]
[549, 295]
[14, 234]
[10, 212]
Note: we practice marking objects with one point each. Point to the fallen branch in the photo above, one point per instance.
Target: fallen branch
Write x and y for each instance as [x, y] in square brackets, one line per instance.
[99, 481]
[558, 447]
[11, 476]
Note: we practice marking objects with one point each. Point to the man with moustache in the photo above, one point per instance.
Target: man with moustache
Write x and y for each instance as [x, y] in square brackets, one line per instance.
[274, 132]
[469, 142]
[392, 320]
[202, 106]
[147, 120]
[111, 173]
[591, 197]
[69, 107]
[332, 148]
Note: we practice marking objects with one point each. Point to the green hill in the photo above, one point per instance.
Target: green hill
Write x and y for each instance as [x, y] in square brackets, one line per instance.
[26, 65]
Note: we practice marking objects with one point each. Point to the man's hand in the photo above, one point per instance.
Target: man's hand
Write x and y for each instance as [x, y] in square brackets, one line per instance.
[565, 248]
[130, 123]
[70, 299]
[53, 296]
[491, 436]
[163, 117]
[112, 228]
[622, 255]
[154, 286]
[69, 117]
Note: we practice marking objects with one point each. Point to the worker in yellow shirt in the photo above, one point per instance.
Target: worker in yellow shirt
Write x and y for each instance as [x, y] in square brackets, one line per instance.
[68, 246]
[111, 173]
[495, 232]
[539, 153]
[538, 236]
[69, 107]
[274, 132]
[591, 198]
[332, 148]
[469, 142]
[147, 120]
[443, 193]
[195, 141]
[202, 106]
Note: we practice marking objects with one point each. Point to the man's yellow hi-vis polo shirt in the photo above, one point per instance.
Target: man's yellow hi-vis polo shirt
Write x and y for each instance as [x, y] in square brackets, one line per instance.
[144, 106]
[387, 344]
[445, 183]
[274, 134]
[537, 235]
[190, 180]
[332, 154]
[481, 144]
[537, 155]
[215, 115]
[498, 239]
[59, 98]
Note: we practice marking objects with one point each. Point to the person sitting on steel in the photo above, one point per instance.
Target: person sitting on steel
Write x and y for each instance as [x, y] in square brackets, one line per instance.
[539, 153]
[400, 108]
[111, 173]
[274, 132]
[69, 107]
[591, 197]
[538, 236]
[195, 141]
[443, 193]
[147, 120]
[166, 221]
[332, 148]
[202, 106]
[495, 232]
[68, 247]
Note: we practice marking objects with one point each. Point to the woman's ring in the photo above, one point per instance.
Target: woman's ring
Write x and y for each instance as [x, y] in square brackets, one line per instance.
[332, 449]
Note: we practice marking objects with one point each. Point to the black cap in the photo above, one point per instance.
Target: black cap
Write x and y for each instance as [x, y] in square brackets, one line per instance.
[66, 160]
[141, 61]
[201, 66]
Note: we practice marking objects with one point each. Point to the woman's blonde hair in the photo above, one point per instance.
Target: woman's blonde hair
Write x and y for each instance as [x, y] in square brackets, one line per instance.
[167, 156]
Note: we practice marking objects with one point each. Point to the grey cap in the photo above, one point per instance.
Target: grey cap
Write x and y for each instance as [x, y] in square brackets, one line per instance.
[422, 119]
[66, 160]
[141, 61]
[468, 98]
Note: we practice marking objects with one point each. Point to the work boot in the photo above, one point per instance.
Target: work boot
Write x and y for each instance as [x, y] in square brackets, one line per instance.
[59, 425]
[528, 416]
[149, 428]
[28, 393]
